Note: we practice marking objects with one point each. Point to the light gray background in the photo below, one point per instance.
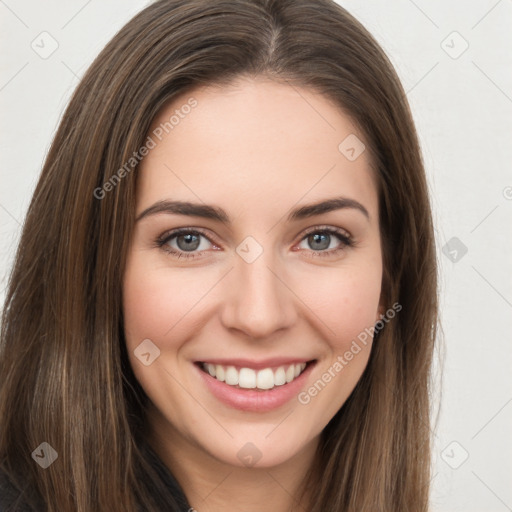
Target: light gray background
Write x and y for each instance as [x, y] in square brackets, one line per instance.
[462, 104]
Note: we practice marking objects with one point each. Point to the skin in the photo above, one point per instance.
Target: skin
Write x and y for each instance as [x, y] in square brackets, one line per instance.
[257, 149]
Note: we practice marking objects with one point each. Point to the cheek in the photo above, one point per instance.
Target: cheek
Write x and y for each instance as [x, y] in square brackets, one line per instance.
[346, 303]
[156, 301]
[159, 304]
[344, 300]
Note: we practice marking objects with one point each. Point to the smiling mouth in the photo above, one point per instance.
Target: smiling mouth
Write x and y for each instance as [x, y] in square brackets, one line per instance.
[248, 378]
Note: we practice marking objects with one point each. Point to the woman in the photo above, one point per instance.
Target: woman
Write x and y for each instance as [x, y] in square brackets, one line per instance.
[225, 289]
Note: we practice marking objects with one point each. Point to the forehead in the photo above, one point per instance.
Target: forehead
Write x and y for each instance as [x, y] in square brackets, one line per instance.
[255, 145]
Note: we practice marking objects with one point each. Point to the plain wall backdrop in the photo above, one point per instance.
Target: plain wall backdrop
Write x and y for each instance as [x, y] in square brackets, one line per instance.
[455, 62]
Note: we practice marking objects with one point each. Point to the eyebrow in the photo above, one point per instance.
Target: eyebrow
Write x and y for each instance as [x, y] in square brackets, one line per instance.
[218, 214]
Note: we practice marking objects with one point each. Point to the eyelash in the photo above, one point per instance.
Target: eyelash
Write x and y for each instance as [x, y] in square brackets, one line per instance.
[345, 239]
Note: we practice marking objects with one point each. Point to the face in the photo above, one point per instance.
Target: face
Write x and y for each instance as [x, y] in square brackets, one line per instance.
[255, 264]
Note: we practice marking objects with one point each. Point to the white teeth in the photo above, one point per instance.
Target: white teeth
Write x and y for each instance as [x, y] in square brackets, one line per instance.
[280, 377]
[248, 378]
[231, 376]
[265, 379]
[220, 374]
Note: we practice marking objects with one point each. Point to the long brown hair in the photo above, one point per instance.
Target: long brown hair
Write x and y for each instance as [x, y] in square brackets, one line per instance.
[65, 378]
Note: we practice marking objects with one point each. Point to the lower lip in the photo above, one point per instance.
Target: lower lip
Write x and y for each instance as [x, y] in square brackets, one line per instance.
[252, 399]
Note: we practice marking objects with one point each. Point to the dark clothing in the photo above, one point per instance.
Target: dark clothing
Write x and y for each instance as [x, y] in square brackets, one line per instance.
[12, 500]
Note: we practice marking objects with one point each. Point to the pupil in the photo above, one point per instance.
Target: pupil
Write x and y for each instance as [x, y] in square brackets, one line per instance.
[319, 241]
[192, 242]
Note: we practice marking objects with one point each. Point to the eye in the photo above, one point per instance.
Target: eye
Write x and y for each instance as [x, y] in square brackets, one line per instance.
[190, 243]
[326, 241]
[184, 243]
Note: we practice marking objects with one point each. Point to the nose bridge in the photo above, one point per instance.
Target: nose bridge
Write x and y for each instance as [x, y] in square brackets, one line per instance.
[258, 303]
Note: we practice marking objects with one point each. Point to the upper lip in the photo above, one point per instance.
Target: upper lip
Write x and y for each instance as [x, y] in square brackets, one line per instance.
[251, 363]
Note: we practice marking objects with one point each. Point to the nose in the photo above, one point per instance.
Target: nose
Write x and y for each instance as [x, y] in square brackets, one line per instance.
[258, 302]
